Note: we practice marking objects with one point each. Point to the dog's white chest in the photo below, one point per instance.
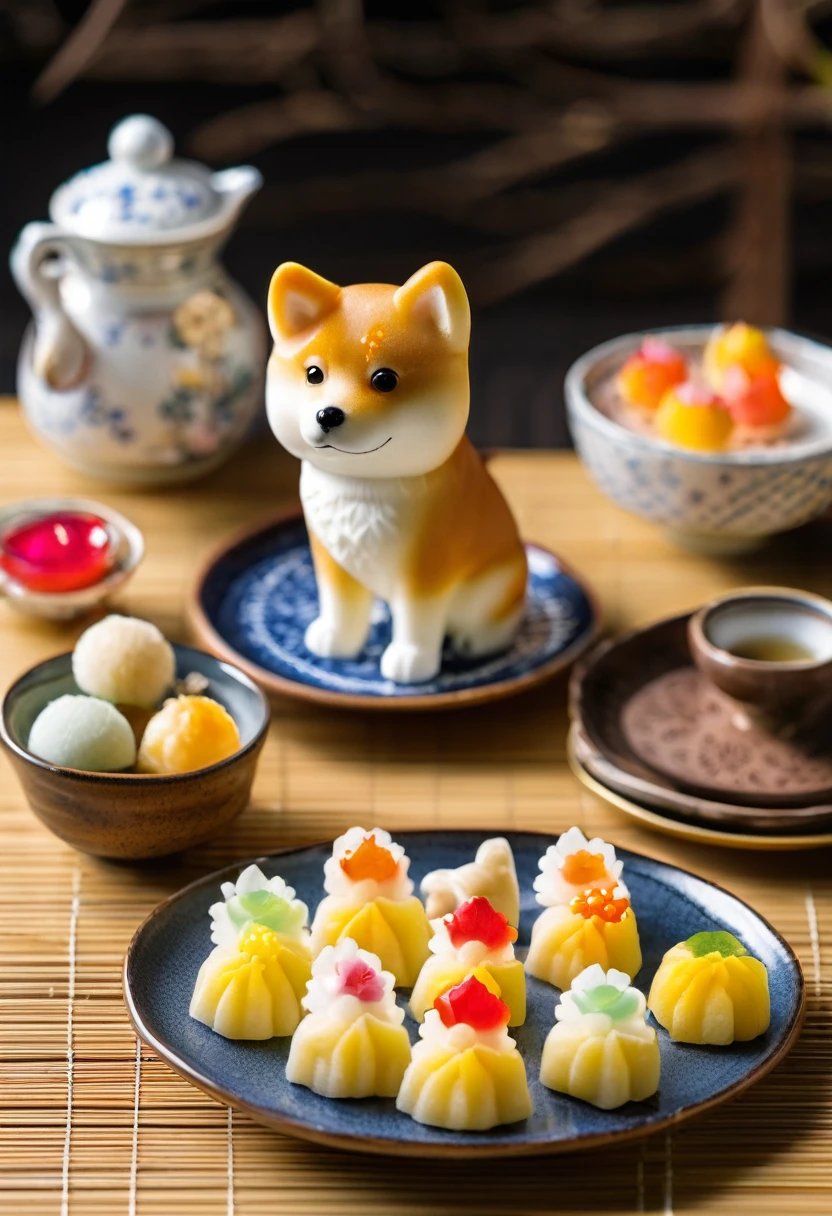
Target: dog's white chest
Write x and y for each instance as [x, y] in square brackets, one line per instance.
[359, 522]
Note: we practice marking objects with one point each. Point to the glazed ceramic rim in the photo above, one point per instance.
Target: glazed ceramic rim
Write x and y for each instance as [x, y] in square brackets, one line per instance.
[456, 699]
[580, 404]
[786, 595]
[80, 774]
[399, 1148]
[127, 531]
[668, 826]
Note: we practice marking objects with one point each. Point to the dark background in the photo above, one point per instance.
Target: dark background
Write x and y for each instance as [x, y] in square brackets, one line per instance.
[607, 240]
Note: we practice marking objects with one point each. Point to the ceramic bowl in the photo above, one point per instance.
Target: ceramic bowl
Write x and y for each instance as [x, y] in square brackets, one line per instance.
[135, 815]
[720, 502]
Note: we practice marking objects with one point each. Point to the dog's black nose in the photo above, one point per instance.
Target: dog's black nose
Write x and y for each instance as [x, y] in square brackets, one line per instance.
[329, 417]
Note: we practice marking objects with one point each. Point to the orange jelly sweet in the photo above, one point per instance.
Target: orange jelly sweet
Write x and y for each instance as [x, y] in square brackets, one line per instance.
[583, 868]
[692, 417]
[477, 921]
[755, 400]
[370, 860]
[471, 1002]
[650, 372]
[600, 902]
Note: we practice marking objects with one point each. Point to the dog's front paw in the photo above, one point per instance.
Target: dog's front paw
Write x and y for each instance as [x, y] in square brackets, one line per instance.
[328, 641]
[405, 663]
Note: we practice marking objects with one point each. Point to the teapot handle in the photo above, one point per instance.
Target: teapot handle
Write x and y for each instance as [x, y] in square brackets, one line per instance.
[61, 357]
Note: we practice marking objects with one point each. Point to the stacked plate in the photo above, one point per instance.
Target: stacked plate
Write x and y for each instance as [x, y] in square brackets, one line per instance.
[654, 739]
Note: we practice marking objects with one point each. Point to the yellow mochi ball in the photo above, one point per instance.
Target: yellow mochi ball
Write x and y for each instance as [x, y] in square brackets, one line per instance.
[710, 990]
[187, 733]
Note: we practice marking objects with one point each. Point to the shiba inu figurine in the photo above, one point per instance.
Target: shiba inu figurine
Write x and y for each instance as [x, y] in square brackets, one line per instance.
[368, 385]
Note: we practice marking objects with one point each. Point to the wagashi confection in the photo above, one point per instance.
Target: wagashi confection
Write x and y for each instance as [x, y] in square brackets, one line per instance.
[352, 1043]
[709, 989]
[370, 899]
[124, 660]
[691, 416]
[755, 401]
[648, 373]
[573, 864]
[736, 346]
[598, 926]
[84, 733]
[492, 874]
[601, 1048]
[473, 940]
[466, 1073]
[252, 983]
[187, 733]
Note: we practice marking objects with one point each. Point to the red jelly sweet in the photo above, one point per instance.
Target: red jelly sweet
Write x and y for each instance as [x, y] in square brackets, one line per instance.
[66, 551]
[477, 921]
[471, 1002]
[355, 978]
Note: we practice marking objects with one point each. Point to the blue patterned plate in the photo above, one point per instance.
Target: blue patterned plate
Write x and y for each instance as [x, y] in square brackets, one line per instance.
[257, 595]
[671, 905]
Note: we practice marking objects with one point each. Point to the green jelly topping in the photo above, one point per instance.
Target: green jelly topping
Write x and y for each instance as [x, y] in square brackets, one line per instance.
[719, 942]
[608, 999]
[267, 909]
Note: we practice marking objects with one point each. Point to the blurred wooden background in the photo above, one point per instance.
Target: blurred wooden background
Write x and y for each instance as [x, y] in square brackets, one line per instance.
[590, 166]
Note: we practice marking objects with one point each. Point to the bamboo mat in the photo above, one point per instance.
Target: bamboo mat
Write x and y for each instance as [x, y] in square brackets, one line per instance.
[91, 1123]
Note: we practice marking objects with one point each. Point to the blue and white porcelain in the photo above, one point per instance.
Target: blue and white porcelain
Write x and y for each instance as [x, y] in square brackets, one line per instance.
[144, 361]
[257, 597]
[711, 502]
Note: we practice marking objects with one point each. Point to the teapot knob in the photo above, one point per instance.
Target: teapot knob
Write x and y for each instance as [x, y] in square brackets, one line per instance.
[142, 141]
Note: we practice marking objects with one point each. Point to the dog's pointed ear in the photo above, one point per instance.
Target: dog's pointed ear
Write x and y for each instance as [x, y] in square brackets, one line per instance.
[299, 300]
[434, 296]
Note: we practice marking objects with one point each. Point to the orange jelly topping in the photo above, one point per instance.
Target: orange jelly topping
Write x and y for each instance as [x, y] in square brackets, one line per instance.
[599, 901]
[370, 860]
[583, 868]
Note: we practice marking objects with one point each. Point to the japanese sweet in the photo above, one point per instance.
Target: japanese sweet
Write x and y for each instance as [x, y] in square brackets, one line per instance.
[251, 984]
[598, 926]
[693, 417]
[466, 1073]
[368, 386]
[492, 874]
[473, 940]
[370, 899]
[654, 369]
[710, 990]
[574, 863]
[187, 733]
[601, 1048]
[124, 660]
[352, 1044]
[84, 733]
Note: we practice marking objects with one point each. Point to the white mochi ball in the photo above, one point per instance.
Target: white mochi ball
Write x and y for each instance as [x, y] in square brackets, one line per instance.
[125, 660]
[85, 733]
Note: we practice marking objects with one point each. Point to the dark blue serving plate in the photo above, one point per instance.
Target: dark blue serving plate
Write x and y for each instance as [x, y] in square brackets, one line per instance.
[257, 595]
[671, 904]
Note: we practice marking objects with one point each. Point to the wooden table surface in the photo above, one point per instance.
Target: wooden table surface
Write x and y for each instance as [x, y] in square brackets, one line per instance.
[91, 1122]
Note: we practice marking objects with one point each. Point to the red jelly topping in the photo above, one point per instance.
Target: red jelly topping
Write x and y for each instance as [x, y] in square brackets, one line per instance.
[477, 921]
[471, 1002]
[357, 979]
[62, 552]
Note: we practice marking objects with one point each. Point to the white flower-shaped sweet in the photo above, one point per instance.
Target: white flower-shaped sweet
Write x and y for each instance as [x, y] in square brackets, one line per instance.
[607, 998]
[348, 982]
[257, 899]
[559, 862]
[463, 1036]
[338, 882]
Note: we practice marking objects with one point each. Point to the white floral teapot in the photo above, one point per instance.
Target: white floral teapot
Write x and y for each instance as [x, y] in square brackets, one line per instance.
[144, 363]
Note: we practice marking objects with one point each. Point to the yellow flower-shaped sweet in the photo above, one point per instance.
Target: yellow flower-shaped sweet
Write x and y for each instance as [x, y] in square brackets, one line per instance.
[596, 927]
[710, 990]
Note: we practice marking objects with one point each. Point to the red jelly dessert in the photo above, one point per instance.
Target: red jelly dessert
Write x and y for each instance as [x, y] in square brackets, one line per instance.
[648, 374]
[477, 921]
[600, 902]
[754, 400]
[66, 551]
[370, 860]
[356, 978]
[471, 1002]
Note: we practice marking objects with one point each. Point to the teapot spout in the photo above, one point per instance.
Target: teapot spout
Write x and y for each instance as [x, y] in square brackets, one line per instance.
[236, 186]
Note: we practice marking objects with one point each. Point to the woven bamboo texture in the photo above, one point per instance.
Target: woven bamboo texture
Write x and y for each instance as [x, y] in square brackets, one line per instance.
[93, 1124]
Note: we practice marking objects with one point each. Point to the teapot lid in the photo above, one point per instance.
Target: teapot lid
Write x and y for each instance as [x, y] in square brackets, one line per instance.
[142, 195]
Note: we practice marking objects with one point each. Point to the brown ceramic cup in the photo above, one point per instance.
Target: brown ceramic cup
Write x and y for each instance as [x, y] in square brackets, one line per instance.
[136, 815]
[770, 650]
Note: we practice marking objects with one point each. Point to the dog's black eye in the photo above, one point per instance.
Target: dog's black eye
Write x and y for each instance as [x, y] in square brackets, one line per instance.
[384, 380]
[314, 375]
